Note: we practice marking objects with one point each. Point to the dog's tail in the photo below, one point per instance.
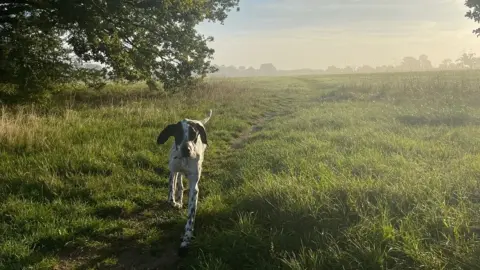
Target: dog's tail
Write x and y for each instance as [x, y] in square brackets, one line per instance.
[204, 121]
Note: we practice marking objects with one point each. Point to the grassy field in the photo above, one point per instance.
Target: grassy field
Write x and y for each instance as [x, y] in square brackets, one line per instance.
[311, 172]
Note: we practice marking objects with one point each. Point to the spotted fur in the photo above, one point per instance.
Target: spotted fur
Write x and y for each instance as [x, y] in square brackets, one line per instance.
[185, 159]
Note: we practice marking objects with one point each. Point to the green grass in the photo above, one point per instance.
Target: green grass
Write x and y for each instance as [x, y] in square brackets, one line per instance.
[312, 172]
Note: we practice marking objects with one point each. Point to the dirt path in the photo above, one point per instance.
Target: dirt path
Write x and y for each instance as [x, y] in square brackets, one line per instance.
[256, 127]
[283, 109]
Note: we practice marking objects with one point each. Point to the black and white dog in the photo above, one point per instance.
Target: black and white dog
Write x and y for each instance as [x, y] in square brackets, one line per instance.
[186, 158]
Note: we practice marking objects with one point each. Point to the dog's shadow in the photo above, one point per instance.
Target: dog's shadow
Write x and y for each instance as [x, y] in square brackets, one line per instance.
[146, 238]
[133, 252]
[150, 243]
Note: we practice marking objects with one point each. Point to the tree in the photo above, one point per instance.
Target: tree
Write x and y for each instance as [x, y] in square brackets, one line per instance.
[473, 13]
[231, 71]
[267, 69]
[467, 60]
[410, 64]
[425, 63]
[133, 39]
[447, 64]
[30, 61]
[348, 69]
[365, 69]
[333, 70]
[250, 71]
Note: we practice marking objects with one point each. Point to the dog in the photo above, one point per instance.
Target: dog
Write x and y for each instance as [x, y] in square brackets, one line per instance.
[185, 159]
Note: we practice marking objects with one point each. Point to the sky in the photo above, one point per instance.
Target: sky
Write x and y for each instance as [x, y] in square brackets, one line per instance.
[295, 34]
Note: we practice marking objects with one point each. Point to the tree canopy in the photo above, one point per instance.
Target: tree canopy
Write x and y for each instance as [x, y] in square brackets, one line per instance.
[474, 12]
[133, 39]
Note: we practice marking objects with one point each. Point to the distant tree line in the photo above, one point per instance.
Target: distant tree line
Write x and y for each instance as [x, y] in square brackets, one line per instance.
[409, 63]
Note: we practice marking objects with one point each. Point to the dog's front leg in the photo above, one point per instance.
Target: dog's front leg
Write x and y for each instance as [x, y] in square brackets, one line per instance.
[172, 184]
[192, 210]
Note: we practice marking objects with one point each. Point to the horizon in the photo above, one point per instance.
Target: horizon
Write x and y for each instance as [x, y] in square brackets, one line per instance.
[316, 34]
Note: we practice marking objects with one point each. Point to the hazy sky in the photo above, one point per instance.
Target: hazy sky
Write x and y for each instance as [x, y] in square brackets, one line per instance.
[295, 34]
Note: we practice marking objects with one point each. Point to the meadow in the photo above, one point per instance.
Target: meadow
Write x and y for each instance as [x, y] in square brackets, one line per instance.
[365, 171]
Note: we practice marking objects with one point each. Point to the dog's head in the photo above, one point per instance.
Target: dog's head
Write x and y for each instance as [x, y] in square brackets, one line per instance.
[186, 133]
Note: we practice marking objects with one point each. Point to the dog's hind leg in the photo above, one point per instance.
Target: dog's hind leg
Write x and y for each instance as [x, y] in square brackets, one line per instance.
[172, 185]
[179, 191]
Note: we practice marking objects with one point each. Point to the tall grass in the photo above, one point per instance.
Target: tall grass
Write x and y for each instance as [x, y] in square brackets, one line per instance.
[338, 172]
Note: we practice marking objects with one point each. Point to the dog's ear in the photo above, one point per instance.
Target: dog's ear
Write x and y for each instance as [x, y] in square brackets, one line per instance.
[167, 132]
[202, 132]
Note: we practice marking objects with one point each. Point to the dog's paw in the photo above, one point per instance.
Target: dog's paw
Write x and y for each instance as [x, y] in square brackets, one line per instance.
[175, 205]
